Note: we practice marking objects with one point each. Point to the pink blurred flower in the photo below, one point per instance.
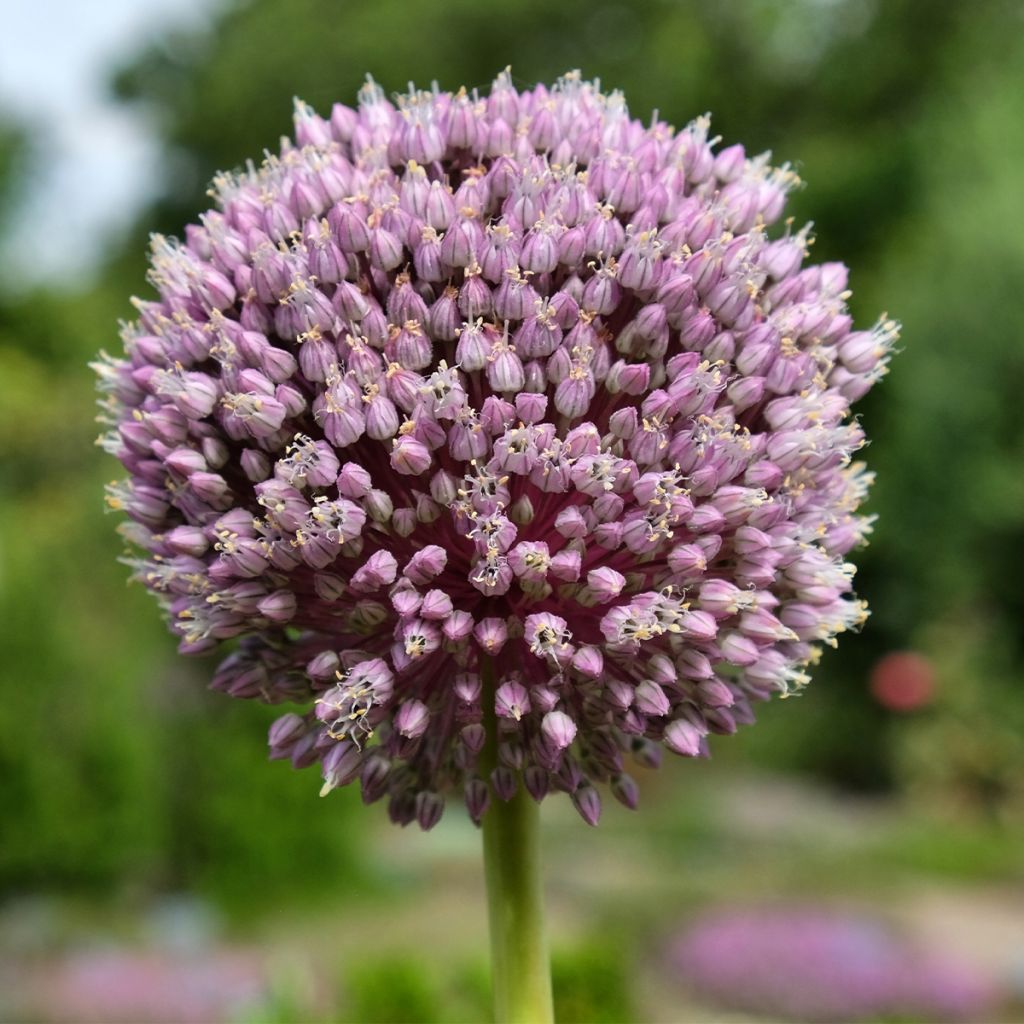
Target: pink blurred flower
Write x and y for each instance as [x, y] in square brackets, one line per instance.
[808, 964]
[116, 985]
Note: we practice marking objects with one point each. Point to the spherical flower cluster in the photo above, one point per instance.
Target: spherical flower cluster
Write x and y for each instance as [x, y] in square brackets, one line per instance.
[504, 436]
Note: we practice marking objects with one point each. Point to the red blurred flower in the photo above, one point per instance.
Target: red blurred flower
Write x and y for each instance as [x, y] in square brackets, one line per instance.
[903, 681]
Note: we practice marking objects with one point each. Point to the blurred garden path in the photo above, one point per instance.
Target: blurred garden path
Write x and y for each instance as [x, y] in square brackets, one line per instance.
[632, 885]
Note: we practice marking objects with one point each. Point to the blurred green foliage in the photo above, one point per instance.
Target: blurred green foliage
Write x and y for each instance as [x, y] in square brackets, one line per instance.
[403, 989]
[591, 984]
[399, 991]
[903, 117]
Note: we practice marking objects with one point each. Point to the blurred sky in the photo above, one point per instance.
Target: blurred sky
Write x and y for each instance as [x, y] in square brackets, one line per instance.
[96, 162]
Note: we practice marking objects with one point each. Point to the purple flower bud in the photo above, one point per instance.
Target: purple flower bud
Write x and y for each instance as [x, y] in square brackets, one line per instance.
[328, 587]
[573, 395]
[474, 737]
[682, 737]
[379, 569]
[722, 598]
[373, 777]
[512, 701]
[458, 626]
[385, 250]
[427, 563]
[323, 666]
[625, 790]
[651, 700]
[566, 565]
[587, 802]
[478, 798]
[429, 808]
[714, 693]
[475, 299]
[505, 371]
[540, 251]
[504, 783]
[341, 765]
[279, 606]
[412, 718]
[536, 781]
[558, 729]
[491, 634]
[531, 407]
[410, 456]
[763, 627]
[353, 481]
[304, 751]
[605, 584]
[186, 461]
[572, 247]
[211, 488]
[570, 522]
[188, 540]
[460, 243]
[284, 733]
[698, 626]
[738, 649]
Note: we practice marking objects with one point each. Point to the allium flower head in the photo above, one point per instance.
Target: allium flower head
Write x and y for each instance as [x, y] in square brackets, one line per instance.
[465, 406]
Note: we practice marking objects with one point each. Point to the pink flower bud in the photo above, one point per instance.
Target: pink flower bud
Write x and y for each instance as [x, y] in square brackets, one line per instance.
[559, 729]
[587, 802]
[412, 718]
[512, 701]
[436, 605]
[566, 565]
[279, 606]
[458, 626]
[682, 737]
[651, 699]
[409, 456]
[605, 584]
[491, 634]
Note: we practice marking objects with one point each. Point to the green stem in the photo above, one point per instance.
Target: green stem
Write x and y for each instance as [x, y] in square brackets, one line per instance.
[520, 967]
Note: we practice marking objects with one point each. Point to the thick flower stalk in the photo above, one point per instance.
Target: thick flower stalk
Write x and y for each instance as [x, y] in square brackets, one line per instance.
[496, 422]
